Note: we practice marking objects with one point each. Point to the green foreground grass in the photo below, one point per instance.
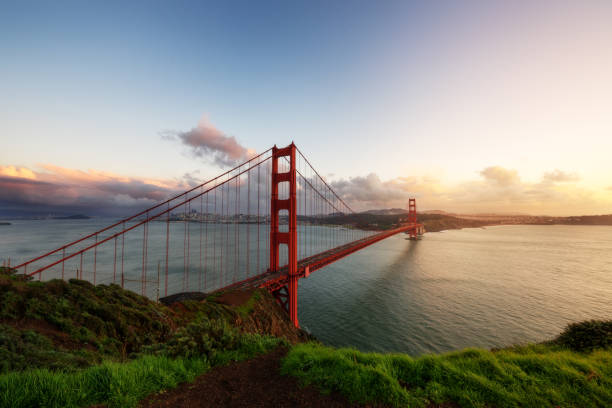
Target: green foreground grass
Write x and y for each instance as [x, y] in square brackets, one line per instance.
[72, 344]
[545, 375]
[119, 384]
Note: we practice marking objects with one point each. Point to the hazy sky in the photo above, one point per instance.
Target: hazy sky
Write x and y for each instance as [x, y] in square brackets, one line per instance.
[471, 106]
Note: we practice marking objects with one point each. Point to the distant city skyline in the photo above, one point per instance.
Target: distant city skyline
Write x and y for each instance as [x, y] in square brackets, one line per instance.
[471, 107]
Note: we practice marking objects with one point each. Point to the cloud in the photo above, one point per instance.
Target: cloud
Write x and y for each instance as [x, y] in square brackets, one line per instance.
[500, 175]
[13, 171]
[207, 142]
[369, 191]
[558, 176]
[498, 190]
[502, 190]
[191, 179]
[58, 190]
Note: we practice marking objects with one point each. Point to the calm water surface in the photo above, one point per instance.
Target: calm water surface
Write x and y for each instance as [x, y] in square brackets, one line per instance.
[475, 287]
[463, 288]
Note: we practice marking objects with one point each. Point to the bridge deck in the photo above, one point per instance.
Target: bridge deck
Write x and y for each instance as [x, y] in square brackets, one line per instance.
[279, 278]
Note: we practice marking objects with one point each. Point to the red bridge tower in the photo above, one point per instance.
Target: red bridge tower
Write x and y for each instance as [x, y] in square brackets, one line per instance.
[286, 295]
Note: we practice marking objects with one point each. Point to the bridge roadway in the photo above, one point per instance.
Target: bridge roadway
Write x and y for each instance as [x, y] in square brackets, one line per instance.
[274, 280]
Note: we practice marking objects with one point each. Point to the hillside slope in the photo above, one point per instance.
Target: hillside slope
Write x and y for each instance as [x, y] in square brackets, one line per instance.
[74, 324]
[72, 344]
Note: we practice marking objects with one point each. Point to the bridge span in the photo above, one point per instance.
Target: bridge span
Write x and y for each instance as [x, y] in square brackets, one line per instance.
[266, 223]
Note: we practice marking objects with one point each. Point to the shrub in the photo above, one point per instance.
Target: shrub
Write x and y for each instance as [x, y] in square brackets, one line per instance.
[587, 336]
[12, 274]
[202, 337]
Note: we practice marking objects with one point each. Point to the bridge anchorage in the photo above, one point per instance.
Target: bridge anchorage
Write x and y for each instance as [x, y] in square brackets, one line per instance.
[264, 224]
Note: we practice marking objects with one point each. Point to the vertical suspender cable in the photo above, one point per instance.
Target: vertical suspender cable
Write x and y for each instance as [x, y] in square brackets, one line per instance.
[206, 243]
[201, 226]
[258, 214]
[248, 221]
[167, 246]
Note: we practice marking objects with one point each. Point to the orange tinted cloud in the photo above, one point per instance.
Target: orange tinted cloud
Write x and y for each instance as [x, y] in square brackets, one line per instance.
[500, 175]
[58, 173]
[14, 171]
[497, 190]
[58, 189]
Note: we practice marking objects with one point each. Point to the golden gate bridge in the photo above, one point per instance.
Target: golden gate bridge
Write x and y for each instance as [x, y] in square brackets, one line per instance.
[266, 223]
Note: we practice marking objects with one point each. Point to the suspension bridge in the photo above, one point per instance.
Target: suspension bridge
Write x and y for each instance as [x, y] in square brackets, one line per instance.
[266, 223]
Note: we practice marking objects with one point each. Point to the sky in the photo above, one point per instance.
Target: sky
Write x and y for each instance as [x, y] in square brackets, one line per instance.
[469, 106]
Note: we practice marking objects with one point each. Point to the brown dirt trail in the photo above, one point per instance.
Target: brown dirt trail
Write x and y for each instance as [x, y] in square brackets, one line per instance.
[253, 383]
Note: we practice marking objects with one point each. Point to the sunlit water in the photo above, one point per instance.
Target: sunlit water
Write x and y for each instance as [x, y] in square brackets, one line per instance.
[474, 287]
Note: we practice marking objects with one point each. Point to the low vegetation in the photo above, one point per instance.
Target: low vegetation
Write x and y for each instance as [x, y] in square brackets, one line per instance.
[71, 325]
[586, 336]
[71, 344]
[65, 344]
[575, 370]
[121, 384]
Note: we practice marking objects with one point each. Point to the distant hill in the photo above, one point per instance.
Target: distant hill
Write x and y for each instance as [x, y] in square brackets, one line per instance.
[438, 220]
[73, 217]
[437, 212]
[387, 211]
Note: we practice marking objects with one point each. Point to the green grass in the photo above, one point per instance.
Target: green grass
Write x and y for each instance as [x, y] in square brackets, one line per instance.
[526, 376]
[70, 344]
[78, 319]
[53, 332]
[71, 325]
[119, 384]
[245, 309]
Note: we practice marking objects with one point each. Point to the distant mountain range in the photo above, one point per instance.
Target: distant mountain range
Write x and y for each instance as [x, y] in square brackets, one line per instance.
[388, 211]
[47, 217]
[395, 211]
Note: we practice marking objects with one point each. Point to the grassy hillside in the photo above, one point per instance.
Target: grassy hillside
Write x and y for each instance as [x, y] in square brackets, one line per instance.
[575, 370]
[115, 384]
[72, 344]
[74, 324]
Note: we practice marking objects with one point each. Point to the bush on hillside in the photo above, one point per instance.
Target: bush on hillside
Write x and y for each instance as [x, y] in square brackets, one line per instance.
[202, 337]
[23, 349]
[7, 274]
[587, 335]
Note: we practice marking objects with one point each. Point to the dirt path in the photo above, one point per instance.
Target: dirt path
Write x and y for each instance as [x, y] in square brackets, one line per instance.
[253, 383]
